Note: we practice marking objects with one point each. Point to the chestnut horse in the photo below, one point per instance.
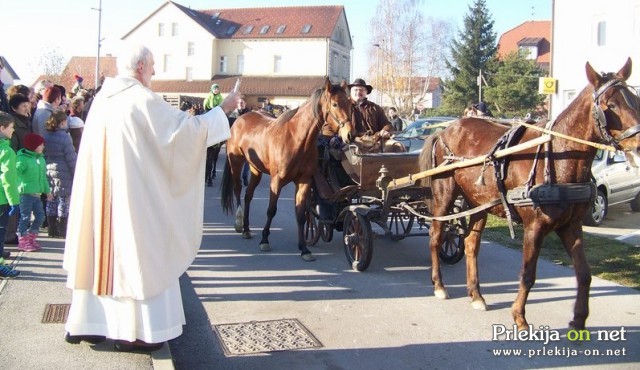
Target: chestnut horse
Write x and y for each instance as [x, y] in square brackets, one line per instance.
[567, 162]
[286, 149]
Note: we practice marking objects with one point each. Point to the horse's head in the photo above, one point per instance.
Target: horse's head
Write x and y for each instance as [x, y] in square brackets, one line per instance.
[336, 110]
[616, 107]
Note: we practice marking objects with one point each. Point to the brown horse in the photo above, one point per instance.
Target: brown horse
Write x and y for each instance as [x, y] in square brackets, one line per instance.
[286, 149]
[567, 162]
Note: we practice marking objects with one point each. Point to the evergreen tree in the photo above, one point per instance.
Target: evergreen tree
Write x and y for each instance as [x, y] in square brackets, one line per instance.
[514, 86]
[470, 53]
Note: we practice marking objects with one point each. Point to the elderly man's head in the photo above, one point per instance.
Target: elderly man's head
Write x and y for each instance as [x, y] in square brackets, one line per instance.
[359, 90]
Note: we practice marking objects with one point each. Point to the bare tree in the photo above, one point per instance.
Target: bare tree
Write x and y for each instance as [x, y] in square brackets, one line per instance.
[51, 63]
[407, 52]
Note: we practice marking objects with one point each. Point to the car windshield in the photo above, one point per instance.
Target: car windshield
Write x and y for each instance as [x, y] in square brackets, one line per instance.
[424, 127]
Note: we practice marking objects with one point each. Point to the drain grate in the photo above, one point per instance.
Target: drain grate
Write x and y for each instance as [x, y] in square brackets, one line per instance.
[264, 336]
[55, 313]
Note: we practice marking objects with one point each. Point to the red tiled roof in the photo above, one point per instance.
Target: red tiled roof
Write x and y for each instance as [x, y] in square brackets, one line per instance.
[527, 32]
[269, 86]
[86, 67]
[235, 23]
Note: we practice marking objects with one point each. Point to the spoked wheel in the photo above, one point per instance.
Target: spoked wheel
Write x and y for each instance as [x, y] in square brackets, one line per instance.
[325, 231]
[358, 241]
[312, 225]
[452, 249]
[400, 223]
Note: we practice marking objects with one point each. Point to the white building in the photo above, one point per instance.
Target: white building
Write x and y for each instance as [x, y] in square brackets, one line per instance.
[603, 34]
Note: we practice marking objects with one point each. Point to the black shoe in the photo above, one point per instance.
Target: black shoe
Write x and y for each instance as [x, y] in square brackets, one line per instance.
[137, 346]
[245, 181]
[12, 241]
[210, 183]
[75, 339]
[6, 254]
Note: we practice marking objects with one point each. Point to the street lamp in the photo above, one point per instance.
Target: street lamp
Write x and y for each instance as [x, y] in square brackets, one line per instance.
[99, 42]
[378, 97]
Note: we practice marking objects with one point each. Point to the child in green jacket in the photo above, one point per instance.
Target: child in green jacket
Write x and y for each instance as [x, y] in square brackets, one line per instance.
[9, 198]
[32, 175]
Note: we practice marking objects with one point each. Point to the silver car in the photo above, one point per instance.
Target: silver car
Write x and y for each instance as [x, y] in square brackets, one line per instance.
[617, 180]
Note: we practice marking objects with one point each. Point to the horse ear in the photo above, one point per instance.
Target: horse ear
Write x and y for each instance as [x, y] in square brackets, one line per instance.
[327, 84]
[625, 71]
[594, 78]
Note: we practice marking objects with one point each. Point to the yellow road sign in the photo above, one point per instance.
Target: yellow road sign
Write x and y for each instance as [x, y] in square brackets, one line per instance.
[547, 85]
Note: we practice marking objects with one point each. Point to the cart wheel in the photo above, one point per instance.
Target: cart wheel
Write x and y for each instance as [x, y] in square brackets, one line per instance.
[311, 222]
[325, 231]
[400, 224]
[452, 249]
[358, 241]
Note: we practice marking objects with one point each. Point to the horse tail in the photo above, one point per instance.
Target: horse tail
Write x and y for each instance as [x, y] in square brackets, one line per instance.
[227, 188]
[426, 160]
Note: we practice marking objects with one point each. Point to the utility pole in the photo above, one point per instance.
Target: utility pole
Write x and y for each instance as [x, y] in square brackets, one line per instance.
[479, 82]
[99, 42]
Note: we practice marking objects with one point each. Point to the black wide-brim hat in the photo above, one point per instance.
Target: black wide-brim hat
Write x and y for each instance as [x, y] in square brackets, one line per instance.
[360, 82]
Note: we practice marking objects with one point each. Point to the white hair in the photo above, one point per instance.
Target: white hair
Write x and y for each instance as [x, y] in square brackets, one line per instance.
[129, 57]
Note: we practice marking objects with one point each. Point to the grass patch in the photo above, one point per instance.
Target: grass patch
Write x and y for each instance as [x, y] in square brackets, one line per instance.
[609, 259]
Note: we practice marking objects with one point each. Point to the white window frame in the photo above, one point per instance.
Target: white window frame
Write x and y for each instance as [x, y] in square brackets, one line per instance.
[160, 29]
[601, 33]
[277, 63]
[174, 29]
[191, 48]
[189, 74]
[166, 63]
[223, 64]
[240, 64]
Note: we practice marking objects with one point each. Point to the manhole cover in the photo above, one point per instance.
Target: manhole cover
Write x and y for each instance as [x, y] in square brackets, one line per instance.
[264, 336]
[55, 313]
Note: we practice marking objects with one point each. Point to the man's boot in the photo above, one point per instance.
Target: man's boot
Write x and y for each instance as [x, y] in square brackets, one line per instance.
[52, 229]
[62, 227]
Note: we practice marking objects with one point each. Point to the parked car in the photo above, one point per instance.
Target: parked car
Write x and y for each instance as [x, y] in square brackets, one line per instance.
[412, 137]
[617, 181]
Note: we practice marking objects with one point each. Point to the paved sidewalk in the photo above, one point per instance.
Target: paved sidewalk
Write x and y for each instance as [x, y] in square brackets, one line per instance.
[27, 343]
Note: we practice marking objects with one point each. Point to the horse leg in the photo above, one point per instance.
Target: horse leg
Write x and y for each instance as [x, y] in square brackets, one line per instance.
[477, 223]
[274, 194]
[302, 193]
[248, 196]
[435, 242]
[571, 237]
[533, 237]
[235, 165]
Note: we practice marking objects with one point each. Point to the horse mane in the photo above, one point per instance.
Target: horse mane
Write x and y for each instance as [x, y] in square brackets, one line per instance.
[314, 100]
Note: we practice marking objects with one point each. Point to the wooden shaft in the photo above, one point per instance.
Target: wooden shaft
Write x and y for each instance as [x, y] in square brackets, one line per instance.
[409, 180]
[566, 137]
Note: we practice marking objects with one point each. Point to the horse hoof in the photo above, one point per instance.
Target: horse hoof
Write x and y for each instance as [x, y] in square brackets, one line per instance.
[308, 257]
[246, 235]
[264, 247]
[479, 305]
[574, 326]
[441, 294]
[238, 228]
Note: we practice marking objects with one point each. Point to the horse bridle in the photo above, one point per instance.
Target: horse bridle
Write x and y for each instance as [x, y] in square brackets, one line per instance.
[335, 118]
[601, 119]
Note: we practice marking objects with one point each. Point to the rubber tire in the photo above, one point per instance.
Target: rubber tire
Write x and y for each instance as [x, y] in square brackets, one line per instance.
[598, 210]
[635, 203]
[396, 222]
[452, 249]
[357, 226]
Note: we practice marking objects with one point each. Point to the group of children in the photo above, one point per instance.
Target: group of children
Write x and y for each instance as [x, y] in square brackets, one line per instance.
[23, 179]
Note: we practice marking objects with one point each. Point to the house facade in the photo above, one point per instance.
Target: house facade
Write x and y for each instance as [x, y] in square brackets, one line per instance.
[604, 36]
[280, 53]
[532, 38]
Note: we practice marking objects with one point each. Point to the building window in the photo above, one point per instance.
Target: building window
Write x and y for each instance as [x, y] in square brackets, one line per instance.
[166, 66]
[231, 30]
[189, 75]
[602, 33]
[306, 28]
[568, 96]
[334, 64]
[248, 29]
[191, 46]
[174, 29]
[240, 63]
[277, 63]
[345, 67]
[281, 28]
[529, 52]
[223, 64]
[160, 29]
[264, 29]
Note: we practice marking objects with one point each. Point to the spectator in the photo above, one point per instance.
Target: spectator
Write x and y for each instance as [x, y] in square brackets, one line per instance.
[9, 196]
[482, 110]
[51, 98]
[75, 123]
[396, 121]
[61, 163]
[213, 99]
[78, 85]
[20, 109]
[157, 154]
[32, 176]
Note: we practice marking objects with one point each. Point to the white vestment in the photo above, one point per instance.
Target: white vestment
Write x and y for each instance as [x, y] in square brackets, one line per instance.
[138, 194]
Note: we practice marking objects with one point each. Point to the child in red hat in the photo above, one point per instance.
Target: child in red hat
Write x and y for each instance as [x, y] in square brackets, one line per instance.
[32, 182]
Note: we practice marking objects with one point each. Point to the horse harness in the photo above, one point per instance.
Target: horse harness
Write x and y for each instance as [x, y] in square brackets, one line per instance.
[548, 192]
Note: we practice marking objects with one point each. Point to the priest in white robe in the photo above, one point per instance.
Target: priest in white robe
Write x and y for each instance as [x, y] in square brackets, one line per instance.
[136, 212]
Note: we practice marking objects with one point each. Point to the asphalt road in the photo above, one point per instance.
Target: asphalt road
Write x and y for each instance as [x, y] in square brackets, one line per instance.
[621, 224]
[386, 317]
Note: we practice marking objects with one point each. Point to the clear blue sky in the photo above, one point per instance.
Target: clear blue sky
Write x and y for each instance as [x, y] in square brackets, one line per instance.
[71, 26]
